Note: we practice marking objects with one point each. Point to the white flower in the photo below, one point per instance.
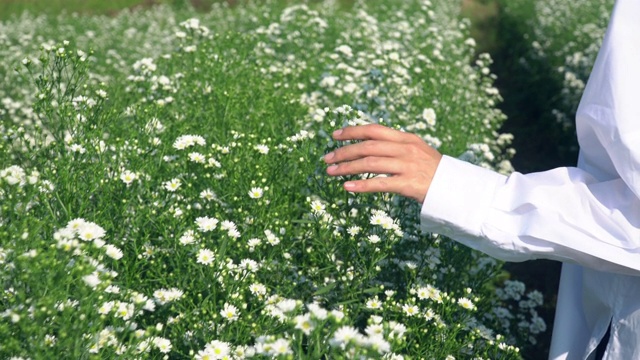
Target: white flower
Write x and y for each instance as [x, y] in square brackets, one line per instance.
[186, 141]
[272, 239]
[374, 303]
[287, 305]
[466, 303]
[281, 347]
[229, 312]
[345, 50]
[92, 280]
[374, 239]
[354, 230]
[125, 310]
[257, 289]
[317, 311]
[206, 223]
[88, 231]
[304, 323]
[128, 177]
[233, 233]
[163, 296]
[205, 256]
[317, 207]
[383, 220]
[77, 148]
[172, 185]
[255, 193]
[262, 149]
[163, 345]
[217, 350]
[207, 194]
[429, 115]
[113, 252]
[106, 308]
[187, 238]
[345, 334]
[397, 330]
[14, 175]
[227, 225]
[429, 292]
[410, 310]
[50, 340]
[196, 157]
[253, 242]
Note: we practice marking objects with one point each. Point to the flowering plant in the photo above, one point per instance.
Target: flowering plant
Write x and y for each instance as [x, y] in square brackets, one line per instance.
[169, 200]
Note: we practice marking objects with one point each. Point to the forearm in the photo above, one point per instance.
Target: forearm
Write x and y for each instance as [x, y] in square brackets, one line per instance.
[561, 214]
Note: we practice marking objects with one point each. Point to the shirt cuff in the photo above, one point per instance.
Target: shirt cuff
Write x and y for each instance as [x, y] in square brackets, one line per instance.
[458, 198]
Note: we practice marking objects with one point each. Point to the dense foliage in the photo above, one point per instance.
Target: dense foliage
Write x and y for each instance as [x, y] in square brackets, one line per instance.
[163, 193]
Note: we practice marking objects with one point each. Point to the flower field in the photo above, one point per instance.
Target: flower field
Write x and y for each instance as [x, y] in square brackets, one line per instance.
[163, 194]
[568, 35]
[556, 45]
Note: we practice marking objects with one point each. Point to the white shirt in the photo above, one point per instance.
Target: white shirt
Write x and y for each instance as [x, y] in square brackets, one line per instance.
[587, 217]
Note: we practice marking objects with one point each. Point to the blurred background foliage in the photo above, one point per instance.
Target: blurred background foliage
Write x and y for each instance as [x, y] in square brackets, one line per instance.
[530, 93]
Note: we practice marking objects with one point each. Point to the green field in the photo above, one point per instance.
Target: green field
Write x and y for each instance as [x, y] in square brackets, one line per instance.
[163, 192]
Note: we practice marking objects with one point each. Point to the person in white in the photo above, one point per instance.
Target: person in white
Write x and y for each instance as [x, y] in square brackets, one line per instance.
[587, 217]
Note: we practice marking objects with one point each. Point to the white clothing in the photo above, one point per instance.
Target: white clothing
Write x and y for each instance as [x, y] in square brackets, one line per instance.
[587, 217]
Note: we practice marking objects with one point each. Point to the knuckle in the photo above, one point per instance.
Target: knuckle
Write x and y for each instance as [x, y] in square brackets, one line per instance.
[368, 145]
[375, 127]
[415, 138]
[414, 149]
[370, 161]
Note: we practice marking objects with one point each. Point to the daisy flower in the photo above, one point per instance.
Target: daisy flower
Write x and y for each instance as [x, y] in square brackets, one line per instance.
[163, 345]
[113, 252]
[256, 193]
[374, 303]
[374, 239]
[88, 231]
[205, 256]
[207, 194]
[230, 312]
[128, 177]
[354, 230]
[317, 207]
[410, 310]
[304, 323]
[187, 238]
[257, 289]
[466, 303]
[172, 185]
[197, 158]
[345, 334]
[206, 223]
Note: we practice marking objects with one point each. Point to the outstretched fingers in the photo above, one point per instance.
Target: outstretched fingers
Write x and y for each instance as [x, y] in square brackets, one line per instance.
[377, 148]
[373, 132]
[392, 184]
[369, 164]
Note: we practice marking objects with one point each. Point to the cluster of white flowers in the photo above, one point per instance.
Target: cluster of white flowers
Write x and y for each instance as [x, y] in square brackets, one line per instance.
[185, 141]
[173, 212]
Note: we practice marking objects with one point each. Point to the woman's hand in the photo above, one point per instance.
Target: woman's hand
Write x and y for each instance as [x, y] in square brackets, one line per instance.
[409, 161]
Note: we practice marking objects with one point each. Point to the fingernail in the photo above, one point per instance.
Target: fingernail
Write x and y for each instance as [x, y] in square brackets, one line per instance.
[329, 156]
[349, 185]
[332, 168]
[337, 132]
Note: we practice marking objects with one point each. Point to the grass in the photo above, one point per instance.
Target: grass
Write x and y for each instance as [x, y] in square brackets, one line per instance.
[484, 15]
[9, 8]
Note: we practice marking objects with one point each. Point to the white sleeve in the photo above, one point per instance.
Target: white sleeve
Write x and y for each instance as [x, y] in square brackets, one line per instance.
[562, 214]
